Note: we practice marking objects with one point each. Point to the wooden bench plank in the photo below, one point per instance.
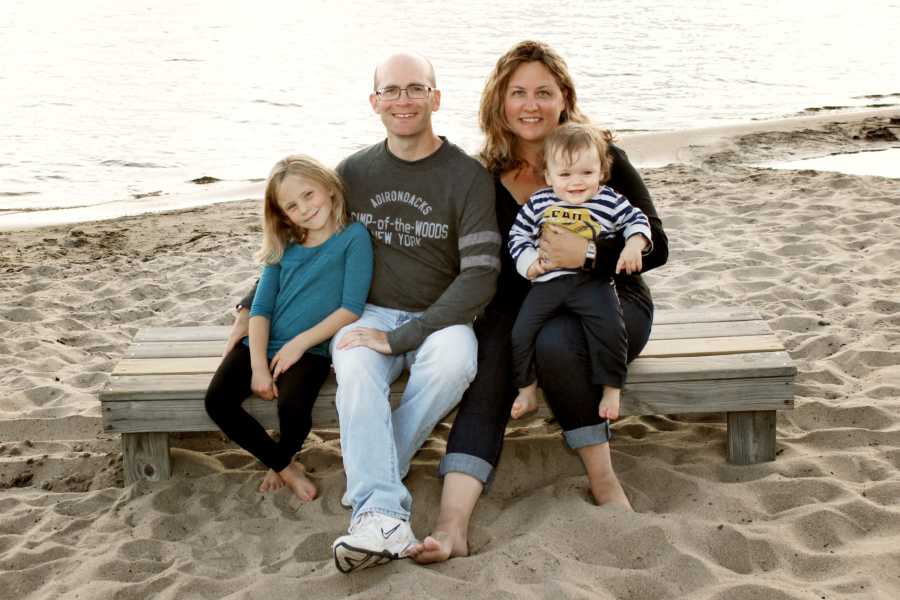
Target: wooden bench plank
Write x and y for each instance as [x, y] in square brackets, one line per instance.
[713, 329]
[654, 349]
[708, 396]
[182, 334]
[704, 315]
[643, 370]
[660, 317]
[711, 346]
[180, 414]
[214, 347]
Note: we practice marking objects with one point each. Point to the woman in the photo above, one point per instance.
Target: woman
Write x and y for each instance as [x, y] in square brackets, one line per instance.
[528, 94]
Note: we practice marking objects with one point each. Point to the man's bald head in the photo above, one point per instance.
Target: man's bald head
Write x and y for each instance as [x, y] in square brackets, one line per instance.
[405, 61]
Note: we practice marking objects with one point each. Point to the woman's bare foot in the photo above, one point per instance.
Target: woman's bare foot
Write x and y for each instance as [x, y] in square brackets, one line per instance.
[271, 482]
[608, 490]
[294, 476]
[450, 534]
[438, 547]
[604, 483]
[525, 402]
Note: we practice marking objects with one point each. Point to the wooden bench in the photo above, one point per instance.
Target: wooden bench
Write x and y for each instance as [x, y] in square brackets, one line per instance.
[703, 360]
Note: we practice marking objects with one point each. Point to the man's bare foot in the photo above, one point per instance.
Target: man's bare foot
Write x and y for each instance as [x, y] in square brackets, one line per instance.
[438, 547]
[525, 402]
[608, 491]
[271, 481]
[294, 476]
[609, 404]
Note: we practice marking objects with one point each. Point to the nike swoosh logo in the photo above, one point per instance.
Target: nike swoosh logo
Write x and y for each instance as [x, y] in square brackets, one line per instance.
[390, 532]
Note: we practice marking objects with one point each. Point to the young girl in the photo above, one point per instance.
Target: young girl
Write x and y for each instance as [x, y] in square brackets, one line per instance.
[577, 165]
[315, 278]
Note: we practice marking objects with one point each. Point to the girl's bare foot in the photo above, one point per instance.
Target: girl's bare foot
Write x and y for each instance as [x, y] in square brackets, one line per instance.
[438, 547]
[294, 476]
[525, 402]
[271, 482]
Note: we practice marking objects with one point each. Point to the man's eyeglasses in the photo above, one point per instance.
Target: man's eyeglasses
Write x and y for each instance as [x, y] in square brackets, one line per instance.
[415, 91]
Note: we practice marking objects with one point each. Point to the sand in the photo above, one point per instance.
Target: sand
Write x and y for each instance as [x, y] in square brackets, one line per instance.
[816, 253]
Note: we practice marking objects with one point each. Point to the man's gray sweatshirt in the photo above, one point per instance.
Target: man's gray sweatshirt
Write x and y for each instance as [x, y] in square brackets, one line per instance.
[434, 234]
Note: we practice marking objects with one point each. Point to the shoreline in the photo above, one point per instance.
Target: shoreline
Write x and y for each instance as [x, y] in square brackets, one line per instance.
[645, 150]
[817, 254]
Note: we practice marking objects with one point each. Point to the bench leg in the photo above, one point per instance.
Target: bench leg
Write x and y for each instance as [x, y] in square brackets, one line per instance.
[751, 437]
[146, 456]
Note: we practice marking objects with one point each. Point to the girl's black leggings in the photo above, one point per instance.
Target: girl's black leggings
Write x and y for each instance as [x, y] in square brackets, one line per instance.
[297, 391]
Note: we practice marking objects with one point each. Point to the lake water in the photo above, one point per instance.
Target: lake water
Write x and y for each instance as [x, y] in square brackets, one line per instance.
[104, 101]
[881, 163]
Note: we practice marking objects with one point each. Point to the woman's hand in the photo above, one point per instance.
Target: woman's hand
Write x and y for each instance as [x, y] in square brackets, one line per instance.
[239, 330]
[561, 249]
[365, 336]
[537, 269]
[630, 260]
[262, 384]
[288, 356]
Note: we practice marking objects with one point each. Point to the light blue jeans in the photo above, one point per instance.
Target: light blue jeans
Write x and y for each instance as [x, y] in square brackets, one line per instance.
[378, 444]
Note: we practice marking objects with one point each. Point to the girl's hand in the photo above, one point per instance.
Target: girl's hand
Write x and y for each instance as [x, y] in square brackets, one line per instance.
[263, 385]
[561, 249]
[287, 357]
[630, 259]
[374, 339]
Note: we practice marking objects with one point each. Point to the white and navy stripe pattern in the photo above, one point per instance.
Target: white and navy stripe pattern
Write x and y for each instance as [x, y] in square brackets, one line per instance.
[610, 209]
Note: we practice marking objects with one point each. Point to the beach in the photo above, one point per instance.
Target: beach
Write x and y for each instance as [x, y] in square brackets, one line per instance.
[816, 253]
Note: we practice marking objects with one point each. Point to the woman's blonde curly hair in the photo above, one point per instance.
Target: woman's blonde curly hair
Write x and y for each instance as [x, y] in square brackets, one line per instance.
[498, 152]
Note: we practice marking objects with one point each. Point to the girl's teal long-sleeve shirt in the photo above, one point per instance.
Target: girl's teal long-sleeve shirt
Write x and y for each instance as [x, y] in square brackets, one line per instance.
[311, 283]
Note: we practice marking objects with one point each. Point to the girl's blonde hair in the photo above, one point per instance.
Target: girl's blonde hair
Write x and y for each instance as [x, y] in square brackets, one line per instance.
[278, 230]
[570, 139]
[498, 152]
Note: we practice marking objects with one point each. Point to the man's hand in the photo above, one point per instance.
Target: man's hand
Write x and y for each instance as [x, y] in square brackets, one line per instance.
[561, 249]
[630, 259]
[239, 330]
[365, 336]
[262, 384]
[285, 358]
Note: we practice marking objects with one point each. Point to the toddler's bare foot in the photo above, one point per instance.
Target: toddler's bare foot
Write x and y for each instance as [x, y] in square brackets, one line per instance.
[271, 482]
[609, 404]
[525, 402]
[294, 476]
[438, 547]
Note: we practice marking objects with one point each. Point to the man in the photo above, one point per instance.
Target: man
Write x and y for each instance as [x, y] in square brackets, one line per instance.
[430, 210]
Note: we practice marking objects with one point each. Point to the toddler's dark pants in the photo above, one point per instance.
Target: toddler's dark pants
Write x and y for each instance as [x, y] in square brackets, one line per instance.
[595, 302]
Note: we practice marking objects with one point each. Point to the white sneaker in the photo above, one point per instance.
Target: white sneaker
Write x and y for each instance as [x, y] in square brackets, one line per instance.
[373, 539]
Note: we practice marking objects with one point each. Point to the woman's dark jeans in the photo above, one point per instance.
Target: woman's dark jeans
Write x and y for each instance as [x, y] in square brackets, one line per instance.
[564, 374]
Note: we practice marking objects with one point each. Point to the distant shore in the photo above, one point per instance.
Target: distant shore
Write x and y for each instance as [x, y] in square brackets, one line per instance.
[646, 150]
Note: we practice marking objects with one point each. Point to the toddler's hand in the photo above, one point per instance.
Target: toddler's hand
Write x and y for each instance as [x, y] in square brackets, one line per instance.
[629, 260]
